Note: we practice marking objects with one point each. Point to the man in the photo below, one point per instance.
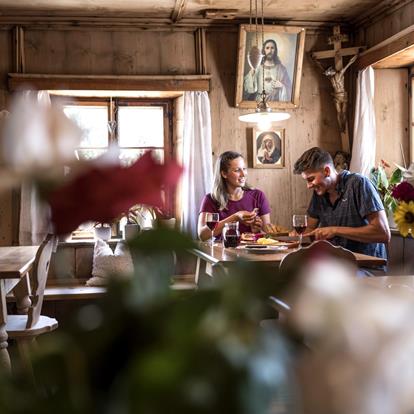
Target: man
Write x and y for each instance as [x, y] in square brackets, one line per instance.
[345, 207]
[277, 83]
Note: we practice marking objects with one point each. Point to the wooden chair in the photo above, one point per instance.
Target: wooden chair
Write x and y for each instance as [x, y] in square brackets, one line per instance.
[296, 261]
[25, 328]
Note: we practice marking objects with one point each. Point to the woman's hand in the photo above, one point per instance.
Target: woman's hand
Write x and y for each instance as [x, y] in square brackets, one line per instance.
[257, 225]
[247, 217]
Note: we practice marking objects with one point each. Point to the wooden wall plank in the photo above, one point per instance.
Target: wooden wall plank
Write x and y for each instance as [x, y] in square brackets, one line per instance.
[391, 115]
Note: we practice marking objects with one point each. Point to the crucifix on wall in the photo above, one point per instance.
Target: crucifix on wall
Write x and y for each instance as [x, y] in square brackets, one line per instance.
[336, 76]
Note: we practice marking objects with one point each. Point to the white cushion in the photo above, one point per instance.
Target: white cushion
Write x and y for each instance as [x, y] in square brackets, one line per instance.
[107, 263]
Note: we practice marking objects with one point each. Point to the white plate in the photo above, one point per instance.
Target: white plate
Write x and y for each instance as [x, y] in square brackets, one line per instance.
[262, 249]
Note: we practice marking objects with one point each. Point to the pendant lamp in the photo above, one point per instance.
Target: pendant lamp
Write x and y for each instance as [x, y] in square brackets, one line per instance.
[263, 114]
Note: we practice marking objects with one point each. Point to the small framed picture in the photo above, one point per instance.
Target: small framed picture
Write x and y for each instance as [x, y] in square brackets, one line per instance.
[269, 148]
[273, 63]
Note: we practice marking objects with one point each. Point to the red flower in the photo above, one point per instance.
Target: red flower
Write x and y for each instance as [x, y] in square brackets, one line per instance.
[102, 194]
[403, 192]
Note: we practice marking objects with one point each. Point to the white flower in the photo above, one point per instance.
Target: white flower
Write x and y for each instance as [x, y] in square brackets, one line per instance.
[37, 138]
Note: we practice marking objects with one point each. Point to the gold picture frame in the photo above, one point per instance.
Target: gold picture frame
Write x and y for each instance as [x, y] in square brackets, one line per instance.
[282, 74]
[269, 148]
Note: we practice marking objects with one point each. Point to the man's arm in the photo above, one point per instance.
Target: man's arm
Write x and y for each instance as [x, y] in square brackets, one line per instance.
[376, 231]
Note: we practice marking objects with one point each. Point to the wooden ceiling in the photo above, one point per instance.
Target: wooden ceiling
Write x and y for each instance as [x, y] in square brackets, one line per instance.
[176, 10]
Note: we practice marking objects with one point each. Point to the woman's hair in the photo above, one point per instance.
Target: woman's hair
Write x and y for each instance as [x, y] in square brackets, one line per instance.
[219, 193]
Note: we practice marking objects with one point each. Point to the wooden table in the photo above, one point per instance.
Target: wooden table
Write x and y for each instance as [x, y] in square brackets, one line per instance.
[382, 282]
[15, 263]
[210, 258]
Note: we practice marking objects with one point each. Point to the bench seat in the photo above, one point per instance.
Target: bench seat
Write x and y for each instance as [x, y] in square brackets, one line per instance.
[73, 292]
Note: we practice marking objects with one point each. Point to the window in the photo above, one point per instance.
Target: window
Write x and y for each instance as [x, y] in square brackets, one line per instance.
[134, 125]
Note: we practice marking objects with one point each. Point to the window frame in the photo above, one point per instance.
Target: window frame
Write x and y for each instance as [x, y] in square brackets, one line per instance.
[113, 103]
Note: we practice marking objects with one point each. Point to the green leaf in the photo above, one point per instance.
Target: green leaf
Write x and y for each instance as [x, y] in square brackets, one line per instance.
[396, 177]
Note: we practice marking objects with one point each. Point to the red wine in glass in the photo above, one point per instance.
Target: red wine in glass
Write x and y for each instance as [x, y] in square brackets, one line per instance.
[231, 238]
[211, 222]
[300, 229]
[211, 225]
[300, 222]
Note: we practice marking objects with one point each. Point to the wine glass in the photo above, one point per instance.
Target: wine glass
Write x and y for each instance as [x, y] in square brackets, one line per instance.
[300, 222]
[211, 221]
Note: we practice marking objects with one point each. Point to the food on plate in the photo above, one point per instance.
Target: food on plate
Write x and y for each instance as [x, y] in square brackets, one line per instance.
[248, 237]
[264, 240]
[272, 242]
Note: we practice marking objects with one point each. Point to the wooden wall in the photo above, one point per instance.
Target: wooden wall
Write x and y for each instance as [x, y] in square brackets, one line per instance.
[376, 29]
[392, 115]
[129, 52]
[391, 91]
[312, 124]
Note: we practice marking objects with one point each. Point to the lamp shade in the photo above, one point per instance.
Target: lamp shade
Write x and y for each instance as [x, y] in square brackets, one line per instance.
[259, 117]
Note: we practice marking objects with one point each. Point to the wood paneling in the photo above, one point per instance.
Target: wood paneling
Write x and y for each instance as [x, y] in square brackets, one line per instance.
[391, 115]
[110, 53]
[373, 31]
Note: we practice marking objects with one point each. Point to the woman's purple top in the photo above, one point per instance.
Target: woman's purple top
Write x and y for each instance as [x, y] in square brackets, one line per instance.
[250, 200]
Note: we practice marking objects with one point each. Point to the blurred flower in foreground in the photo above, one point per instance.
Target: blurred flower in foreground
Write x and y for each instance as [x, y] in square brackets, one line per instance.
[36, 140]
[102, 194]
[361, 341]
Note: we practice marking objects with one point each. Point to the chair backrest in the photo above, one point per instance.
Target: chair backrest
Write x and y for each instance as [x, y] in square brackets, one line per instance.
[38, 279]
[294, 263]
[320, 249]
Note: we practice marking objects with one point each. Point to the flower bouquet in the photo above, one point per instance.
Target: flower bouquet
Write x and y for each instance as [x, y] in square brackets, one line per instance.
[403, 193]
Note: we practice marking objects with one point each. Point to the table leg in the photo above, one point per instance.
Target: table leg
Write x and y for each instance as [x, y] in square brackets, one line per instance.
[202, 277]
[5, 364]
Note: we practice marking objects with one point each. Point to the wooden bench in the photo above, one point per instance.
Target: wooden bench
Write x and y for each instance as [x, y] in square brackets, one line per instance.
[71, 267]
[83, 292]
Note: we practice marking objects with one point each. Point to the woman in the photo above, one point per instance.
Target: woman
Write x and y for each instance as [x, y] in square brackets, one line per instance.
[233, 199]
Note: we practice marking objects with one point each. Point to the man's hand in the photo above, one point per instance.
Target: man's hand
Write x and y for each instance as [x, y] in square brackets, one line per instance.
[322, 233]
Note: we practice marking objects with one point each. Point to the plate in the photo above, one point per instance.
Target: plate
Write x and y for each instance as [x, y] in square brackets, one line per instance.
[262, 249]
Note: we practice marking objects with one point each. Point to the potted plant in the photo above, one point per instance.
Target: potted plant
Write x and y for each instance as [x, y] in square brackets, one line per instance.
[384, 185]
[133, 223]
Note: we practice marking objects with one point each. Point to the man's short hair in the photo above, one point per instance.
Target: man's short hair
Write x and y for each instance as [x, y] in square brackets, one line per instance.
[312, 159]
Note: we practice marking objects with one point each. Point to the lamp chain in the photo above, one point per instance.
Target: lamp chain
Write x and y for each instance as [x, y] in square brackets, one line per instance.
[264, 56]
[250, 17]
[256, 19]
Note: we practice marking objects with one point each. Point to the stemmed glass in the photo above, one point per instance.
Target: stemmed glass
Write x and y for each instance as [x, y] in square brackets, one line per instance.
[211, 221]
[300, 222]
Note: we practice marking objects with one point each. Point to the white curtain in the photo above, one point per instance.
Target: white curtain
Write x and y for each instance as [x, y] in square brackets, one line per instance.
[197, 158]
[364, 144]
[34, 222]
[34, 216]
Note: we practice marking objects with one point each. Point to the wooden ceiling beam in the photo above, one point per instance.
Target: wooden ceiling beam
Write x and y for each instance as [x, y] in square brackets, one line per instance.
[17, 81]
[178, 11]
[390, 47]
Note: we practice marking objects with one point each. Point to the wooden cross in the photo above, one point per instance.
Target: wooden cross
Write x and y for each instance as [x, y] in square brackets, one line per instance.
[336, 76]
